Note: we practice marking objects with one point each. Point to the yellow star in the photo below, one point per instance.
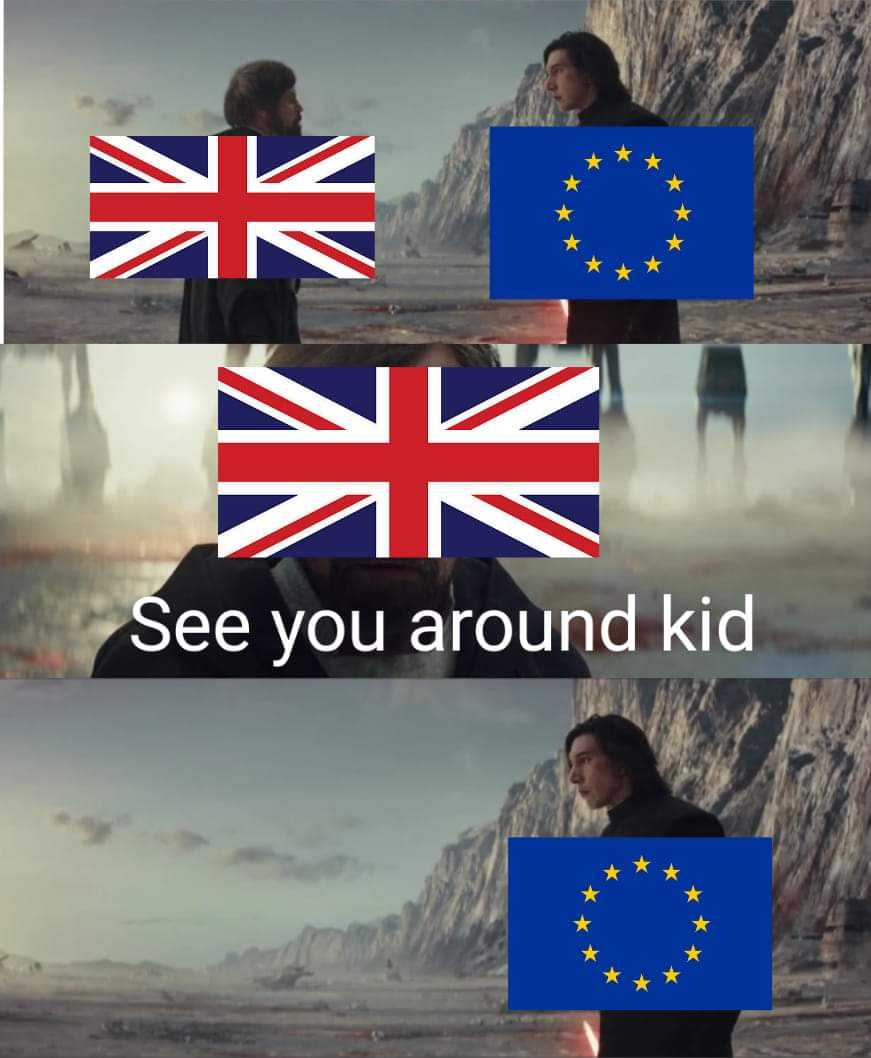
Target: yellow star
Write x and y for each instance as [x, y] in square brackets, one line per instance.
[622, 154]
[641, 983]
[653, 161]
[622, 272]
[612, 872]
[641, 864]
[653, 264]
[592, 264]
[671, 872]
[589, 953]
[582, 924]
[572, 183]
[572, 243]
[563, 213]
[701, 924]
[671, 975]
[674, 183]
[683, 213]
[693, 953]
[590, 894]
[611, 975]
[693, 894]
[674, 243]
[592, 161]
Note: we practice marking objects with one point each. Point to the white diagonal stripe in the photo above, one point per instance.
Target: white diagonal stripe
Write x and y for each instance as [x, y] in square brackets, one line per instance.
[318, 259]
[353, 427]
[505, 426]
[191, 179]
[308, 499]
[340, 160]
[142, 244]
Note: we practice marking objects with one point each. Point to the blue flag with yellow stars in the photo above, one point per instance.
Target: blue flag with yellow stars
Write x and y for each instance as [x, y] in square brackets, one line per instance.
[621, 213]
[639, 923]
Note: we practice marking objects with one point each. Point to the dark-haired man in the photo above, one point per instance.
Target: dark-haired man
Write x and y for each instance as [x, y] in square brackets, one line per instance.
[399, 588]
[614, 767]
[582, 76]
[260, 100]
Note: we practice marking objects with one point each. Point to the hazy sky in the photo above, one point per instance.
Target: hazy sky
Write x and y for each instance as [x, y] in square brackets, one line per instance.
[411, 72]
[156, 407]
[177, 820]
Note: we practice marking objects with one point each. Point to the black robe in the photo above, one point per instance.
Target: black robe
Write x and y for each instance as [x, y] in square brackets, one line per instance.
[202, 581]
[621, 321]
[671, 1034]
[239, 310]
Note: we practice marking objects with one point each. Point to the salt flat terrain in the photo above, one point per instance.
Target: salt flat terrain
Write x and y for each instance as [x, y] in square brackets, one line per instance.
[167, 1014]
[798, 298]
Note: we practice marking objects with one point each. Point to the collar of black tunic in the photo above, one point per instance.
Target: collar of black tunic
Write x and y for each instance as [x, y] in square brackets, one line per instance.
[626, 809]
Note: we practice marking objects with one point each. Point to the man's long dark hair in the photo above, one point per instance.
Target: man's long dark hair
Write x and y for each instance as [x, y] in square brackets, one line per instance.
[627, 746]
[592, 56]
[255, 86]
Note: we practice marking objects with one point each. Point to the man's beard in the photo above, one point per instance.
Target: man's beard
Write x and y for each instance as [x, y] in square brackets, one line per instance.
[278, 129]
[398, 588]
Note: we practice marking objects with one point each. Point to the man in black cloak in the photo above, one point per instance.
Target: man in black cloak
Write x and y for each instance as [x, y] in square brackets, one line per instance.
[400, 587]
[582, 76]
[613, 766]
[260, 101]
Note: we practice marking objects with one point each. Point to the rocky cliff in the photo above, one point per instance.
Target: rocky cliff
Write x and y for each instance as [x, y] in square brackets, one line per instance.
[772, 757]
[451, 210]
[799, 72]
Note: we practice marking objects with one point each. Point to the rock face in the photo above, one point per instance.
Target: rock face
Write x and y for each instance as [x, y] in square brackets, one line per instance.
[799, 72]
[819, 807]
[786, 759]
[450, 212]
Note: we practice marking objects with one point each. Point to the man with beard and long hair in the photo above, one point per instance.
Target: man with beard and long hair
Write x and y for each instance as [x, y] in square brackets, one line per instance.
[613, 767]
[398, 587]
[582, 77]
[261, 100]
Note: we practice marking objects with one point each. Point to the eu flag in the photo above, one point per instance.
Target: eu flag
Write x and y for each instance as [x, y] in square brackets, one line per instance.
[639, 923]
[621, 213]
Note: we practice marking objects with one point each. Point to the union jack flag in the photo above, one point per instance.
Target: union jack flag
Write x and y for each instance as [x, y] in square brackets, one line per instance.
[232, 207]
[408, 462]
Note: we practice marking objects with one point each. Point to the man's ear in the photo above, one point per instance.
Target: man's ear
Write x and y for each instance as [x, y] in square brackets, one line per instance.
[263, 118]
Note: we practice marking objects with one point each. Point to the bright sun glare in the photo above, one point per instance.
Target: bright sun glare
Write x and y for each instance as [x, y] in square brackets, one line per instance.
[179, 405]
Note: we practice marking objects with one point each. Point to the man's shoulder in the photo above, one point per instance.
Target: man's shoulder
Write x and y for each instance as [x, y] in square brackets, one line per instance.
[678, 818]
[209, 583]
[688, 820]
[203, 582]
[485, 584]
[666, 816]
[620, 112]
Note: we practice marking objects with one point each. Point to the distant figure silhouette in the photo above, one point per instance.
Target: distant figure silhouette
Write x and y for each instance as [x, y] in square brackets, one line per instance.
[722, 390]
[618, 445]
[857, 448]
[860, 357]
[2, 438]
[611, 356]
[84, 445]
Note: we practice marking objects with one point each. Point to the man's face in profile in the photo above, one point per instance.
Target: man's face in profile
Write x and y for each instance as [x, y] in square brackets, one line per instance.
[285, 119]
[569, 88]
[399, 586]
[598, 779]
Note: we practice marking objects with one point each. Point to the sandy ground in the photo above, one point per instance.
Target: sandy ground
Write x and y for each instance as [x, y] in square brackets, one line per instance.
[798, 298]
[68, 1015]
